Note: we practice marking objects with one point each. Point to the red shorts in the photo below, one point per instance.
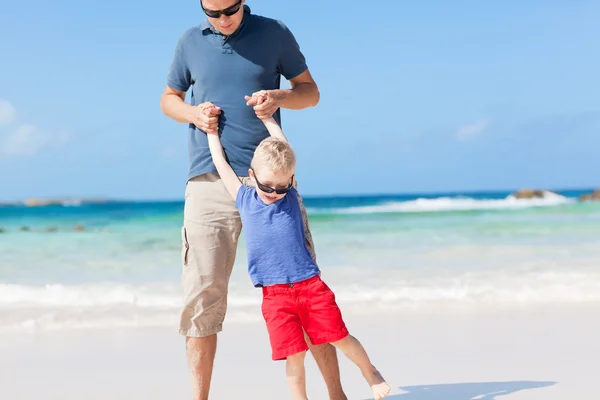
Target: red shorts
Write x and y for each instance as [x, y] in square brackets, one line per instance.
[308, 305]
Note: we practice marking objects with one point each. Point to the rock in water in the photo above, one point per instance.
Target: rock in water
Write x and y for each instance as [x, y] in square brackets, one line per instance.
[529, 194]
[594, 196]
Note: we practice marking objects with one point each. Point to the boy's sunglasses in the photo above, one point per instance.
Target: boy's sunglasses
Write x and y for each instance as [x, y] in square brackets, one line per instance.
[269, 189]
[229, 11]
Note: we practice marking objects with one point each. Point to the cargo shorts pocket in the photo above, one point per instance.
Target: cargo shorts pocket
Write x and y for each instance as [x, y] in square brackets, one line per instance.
[185, 246]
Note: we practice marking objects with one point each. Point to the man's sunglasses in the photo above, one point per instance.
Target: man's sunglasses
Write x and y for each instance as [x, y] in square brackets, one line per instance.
[229, 11]
[269, 189]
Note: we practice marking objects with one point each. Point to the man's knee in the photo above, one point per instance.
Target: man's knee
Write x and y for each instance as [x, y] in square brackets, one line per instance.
[201, 356]
[322, 352]
[204, 311]
[201, 345]
[325, 351]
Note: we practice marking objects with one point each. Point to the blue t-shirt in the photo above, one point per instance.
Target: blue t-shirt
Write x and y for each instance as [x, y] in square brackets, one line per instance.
[275, 240]
[223, 70]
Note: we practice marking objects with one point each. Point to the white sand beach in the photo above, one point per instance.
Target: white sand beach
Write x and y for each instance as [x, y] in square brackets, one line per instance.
[547, 352]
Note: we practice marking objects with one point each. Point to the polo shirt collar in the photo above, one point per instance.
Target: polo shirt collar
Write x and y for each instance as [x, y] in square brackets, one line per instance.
[205, 25]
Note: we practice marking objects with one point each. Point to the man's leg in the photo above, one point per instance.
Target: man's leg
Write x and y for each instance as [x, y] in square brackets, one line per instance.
[326, 358]
[209, 241]
[325, 355]
[201, 355]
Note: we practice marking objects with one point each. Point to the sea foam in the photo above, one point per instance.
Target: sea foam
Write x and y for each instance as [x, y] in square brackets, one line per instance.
[117, 304]
[451, 204]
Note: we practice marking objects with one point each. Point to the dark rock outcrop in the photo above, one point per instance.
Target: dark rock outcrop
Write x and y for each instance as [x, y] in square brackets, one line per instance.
[594, 196]
[529, 194]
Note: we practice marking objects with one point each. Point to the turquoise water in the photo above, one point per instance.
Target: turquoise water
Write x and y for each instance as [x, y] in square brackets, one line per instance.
[377, 252]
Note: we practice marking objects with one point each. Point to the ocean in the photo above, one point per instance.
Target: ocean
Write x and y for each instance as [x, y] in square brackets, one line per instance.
[378, 253]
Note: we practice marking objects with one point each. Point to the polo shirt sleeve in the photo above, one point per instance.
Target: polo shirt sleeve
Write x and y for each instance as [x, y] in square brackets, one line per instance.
[291, 60]
[180, 77]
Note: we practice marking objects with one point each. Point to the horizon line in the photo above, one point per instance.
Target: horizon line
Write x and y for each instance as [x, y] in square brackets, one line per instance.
[106, 199]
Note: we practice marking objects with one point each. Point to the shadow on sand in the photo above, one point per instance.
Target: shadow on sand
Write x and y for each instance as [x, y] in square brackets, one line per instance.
[466, 391]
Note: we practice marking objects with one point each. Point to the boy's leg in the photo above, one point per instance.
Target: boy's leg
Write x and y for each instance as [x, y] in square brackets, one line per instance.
[352, 348]
[296, 376]
[209, 241]
[325, 355]
[280, 311]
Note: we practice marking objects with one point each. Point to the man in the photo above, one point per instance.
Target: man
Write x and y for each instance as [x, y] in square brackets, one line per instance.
[232, 62]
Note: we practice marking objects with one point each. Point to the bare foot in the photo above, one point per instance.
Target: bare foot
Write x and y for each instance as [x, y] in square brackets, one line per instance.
[380, 390]
[378, 384]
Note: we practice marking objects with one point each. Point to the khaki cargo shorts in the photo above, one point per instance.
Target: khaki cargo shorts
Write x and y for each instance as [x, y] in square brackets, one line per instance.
[209, 238]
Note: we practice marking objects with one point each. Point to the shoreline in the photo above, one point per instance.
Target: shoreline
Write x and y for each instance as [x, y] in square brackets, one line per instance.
[547, 352]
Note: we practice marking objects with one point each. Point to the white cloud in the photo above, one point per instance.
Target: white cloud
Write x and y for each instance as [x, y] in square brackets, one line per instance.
[8, 114]
[24, 139]
[473, 130]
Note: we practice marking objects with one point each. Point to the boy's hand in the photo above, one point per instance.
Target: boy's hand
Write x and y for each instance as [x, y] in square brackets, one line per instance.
[265, 102]
[206, 117]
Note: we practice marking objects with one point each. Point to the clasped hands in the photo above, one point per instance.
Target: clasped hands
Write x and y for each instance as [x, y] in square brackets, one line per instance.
[264, 102]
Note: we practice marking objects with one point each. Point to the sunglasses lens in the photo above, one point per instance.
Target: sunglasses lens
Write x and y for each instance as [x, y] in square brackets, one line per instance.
[227, 12]
[266, 189]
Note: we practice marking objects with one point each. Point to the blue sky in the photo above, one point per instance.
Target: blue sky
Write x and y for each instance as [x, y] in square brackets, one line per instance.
[415, 96]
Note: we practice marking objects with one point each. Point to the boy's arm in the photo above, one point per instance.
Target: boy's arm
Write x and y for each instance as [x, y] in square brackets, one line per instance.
[227, 174]
[274, 129]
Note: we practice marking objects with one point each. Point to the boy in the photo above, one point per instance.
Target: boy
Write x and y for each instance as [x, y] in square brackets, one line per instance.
[294, 296]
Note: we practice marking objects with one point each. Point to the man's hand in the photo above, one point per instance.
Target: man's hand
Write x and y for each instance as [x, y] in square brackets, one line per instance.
[206, 117]
[265, 102]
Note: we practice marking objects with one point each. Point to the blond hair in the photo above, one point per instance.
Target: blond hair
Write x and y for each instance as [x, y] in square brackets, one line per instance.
[275, 154]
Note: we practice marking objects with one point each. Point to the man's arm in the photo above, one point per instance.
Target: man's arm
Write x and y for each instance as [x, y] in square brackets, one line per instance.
[173, 105]
[304, 93]
[227, 174]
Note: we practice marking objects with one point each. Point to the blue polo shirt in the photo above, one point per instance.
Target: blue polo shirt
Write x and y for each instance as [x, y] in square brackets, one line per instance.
[223, 70]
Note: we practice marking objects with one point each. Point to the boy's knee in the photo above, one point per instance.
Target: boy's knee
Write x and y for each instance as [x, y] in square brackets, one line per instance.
[297, 358]
[300, 354]
[344, 343]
